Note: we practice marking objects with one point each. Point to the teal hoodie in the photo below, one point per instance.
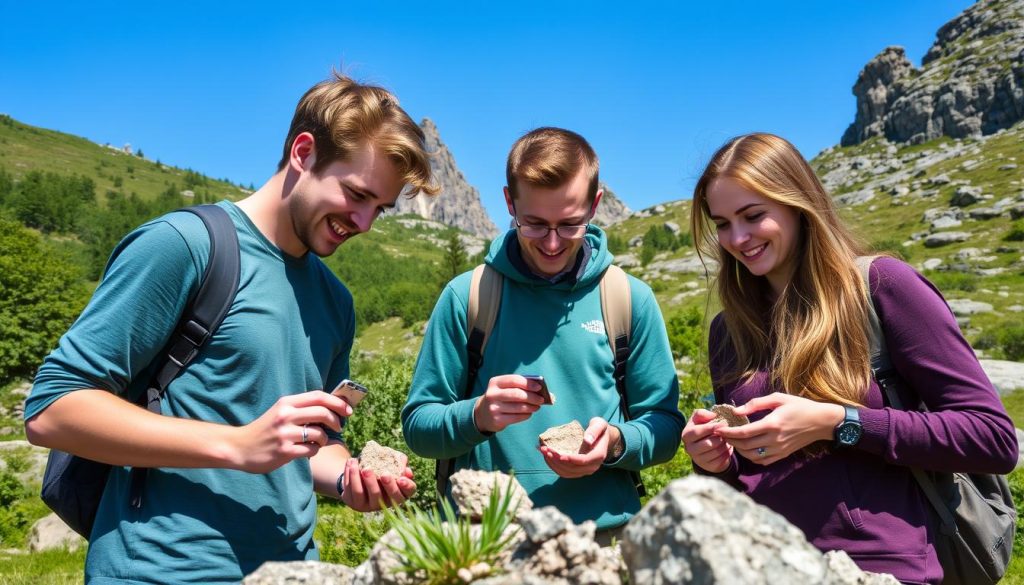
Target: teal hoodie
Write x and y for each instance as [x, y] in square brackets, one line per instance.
[555, 330]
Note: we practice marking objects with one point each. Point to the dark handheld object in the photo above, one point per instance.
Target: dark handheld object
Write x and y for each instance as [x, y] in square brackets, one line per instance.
[350, 391]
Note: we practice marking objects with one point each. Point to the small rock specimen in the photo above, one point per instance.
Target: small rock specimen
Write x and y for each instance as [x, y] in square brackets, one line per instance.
[382, 460]
[567, 438]
[727, 413]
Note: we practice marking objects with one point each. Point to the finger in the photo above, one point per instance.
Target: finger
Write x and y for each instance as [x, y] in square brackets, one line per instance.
[701, 448]
[407, 486]
[511, 381]
[517, 395]
[695, 432]
[702, 416]
[392, 491]
[318, 398]
[311, 433]
[407, 473]
[353, 484]
[371, 483]
[747, 431]
[595, 432]
[317, 415]
[770, 402]
[517, 408]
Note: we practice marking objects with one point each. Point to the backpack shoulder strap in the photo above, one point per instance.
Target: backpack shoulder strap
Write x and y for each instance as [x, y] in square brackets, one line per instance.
[211, 303]
[881, 369]
[876, 339]
[201, 317]
[484, 301]
[617, 311]
[481, 313]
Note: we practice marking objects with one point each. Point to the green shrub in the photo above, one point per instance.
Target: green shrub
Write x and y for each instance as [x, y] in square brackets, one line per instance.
[890, 246]
[948, 281]
[41, 293]
[1016, 232]
[1011, 341]
[344, 535]
[436, 545]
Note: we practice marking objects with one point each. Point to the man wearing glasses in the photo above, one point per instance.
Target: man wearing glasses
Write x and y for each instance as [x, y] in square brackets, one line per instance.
[550, 324]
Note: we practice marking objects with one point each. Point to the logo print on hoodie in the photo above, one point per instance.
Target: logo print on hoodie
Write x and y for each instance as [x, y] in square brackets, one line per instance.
[595, 326]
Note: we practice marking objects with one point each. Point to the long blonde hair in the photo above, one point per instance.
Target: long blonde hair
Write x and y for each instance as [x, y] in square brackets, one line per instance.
[815, 339]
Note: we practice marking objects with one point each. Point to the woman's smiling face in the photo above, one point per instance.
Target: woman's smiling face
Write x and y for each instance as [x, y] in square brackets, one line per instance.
[759, 232]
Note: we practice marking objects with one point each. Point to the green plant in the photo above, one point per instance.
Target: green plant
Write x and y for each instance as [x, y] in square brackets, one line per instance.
[1015, 233]
[344, 535]
[435, 546]
[890, 246]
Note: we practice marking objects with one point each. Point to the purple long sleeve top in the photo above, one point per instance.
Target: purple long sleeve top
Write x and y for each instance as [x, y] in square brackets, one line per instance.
[864, 500]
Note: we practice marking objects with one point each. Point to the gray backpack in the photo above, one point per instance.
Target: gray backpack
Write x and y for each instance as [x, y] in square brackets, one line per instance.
[973, 513]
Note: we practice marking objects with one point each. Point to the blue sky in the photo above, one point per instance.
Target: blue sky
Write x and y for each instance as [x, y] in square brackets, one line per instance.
[655, 86]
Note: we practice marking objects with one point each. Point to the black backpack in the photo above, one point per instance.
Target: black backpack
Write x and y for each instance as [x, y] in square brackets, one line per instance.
[72, 485]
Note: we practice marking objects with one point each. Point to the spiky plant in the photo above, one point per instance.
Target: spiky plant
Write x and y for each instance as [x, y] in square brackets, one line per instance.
[436, 546]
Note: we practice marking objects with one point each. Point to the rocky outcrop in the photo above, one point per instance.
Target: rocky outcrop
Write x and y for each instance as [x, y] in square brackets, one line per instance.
[698, 530]
[971, 82]
[458, 204]
[701, 530]
[611, 210]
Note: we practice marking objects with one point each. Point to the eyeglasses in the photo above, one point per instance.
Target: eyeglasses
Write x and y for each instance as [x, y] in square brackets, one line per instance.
[536, 231]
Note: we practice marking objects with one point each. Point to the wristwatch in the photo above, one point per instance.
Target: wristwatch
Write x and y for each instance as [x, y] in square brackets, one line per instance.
[848, 432]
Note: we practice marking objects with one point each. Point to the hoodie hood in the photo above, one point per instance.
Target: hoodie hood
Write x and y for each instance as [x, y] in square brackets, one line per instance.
[505, 256]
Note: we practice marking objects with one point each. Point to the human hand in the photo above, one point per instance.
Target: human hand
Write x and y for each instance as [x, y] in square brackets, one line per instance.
[363, 491]
[509, 399]
[706, 449]
[794, 423]
[295, 426]
[597, 438]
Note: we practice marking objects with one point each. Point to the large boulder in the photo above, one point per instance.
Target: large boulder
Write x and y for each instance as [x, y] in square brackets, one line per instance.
[701, 530]
[50, 532]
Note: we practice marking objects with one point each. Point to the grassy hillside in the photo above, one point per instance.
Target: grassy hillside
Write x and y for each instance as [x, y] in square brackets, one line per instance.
[25, 148]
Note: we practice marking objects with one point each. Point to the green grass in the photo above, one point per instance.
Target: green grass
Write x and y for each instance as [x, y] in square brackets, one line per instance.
[55, 567]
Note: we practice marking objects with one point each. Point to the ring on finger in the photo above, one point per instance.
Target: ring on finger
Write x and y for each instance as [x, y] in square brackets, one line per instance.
[305, 435]
[761, 452]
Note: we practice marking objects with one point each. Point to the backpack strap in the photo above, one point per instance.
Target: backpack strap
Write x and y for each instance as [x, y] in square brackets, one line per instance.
[617, 310]
[887, 378]
[201, 317]
[484, 301]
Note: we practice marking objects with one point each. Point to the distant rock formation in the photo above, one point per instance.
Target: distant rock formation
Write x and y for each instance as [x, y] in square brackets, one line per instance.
[611, 209]
[458, 204]
[971, 81]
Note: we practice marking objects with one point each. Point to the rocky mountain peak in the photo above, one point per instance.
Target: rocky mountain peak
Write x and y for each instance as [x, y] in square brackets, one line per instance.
[611, 210]
[458, 204]
[970, 84]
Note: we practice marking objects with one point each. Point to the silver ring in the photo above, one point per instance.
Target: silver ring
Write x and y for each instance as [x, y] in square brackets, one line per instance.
[762, 452]
[305, 437]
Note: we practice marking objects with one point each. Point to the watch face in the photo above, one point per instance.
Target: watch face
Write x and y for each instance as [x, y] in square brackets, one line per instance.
[848, 433]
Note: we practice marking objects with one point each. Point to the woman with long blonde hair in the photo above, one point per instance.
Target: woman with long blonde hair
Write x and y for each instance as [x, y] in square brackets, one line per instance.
[791, 350]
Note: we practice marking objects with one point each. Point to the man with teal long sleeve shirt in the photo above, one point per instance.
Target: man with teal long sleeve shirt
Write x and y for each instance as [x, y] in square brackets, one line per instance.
[549, 323]
[246, 432]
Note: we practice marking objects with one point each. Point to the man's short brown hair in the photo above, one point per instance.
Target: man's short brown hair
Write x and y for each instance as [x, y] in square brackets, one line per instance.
[551, 157]
[342, 115]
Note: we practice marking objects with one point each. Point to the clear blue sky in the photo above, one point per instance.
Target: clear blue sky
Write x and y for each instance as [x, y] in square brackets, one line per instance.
[655, 86]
